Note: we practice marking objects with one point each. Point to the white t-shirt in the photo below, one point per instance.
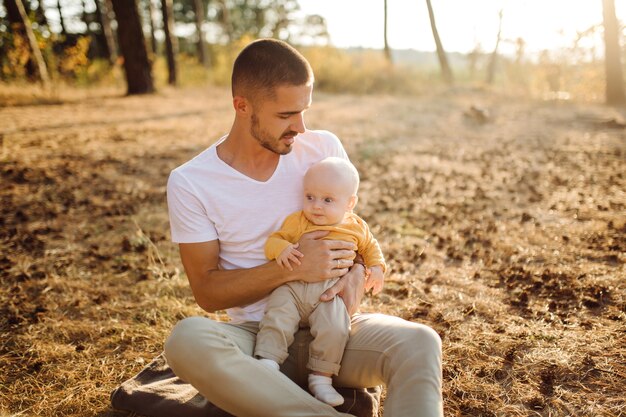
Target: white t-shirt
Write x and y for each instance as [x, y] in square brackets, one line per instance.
[208, 200]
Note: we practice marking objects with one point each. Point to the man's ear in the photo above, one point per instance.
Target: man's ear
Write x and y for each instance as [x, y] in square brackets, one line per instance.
[352, 202]
[242, 105]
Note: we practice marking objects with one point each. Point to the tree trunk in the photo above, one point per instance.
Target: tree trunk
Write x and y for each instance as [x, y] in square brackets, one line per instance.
[491, 69]
[41, 15]
[520, 50]
[102, 12]
[171, 45]
[446, 72]
[615, 94]
[153, 40]
[61, 20]
[227, 25]
[34, 46]
[203, 55]
[133, 47]
[87, 20]
[14, 16]
[387, 50]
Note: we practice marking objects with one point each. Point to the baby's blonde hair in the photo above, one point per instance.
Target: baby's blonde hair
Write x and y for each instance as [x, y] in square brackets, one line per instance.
[342, 168]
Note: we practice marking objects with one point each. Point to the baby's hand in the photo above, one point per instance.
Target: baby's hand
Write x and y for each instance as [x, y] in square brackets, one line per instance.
[375, 279]
[288, 255]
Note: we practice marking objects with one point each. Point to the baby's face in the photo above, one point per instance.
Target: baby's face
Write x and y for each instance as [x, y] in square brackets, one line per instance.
[326, 198]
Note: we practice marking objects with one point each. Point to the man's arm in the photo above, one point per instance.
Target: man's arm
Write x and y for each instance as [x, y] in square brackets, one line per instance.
[216, 289]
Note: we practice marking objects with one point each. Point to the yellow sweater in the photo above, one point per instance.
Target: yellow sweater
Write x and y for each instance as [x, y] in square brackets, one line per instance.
[352, 229]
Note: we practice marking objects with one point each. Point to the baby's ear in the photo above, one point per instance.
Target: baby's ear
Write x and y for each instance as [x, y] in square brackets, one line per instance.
[352, 202]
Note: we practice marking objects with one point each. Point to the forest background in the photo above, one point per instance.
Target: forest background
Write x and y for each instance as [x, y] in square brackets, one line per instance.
[494, 182]
[79, 45]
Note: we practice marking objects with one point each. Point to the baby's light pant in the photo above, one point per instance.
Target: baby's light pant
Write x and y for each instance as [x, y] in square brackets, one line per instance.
[296, 305]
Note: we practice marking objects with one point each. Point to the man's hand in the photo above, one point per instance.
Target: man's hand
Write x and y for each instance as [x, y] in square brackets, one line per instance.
[322, 259]
[288, 255]
[350, 288]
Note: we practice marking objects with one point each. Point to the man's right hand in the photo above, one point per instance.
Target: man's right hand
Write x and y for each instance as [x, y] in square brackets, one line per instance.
[323, 259]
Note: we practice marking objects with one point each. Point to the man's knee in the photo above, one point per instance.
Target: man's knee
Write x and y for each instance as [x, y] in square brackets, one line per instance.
[419, 339]
[179, 345]
[429, 337]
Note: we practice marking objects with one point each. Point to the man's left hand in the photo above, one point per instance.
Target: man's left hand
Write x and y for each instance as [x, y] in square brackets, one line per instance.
[350, 288]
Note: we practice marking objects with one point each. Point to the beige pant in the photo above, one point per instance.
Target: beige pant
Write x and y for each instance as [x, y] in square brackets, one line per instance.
[216, 358]
[297, 304]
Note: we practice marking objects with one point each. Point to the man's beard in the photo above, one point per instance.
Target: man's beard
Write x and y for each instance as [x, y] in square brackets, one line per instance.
[266, 140]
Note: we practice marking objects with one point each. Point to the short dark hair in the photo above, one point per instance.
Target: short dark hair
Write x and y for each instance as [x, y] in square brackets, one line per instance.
[265, 64]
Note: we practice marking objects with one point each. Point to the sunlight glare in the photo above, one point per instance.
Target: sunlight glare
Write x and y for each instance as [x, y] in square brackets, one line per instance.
[462, 24]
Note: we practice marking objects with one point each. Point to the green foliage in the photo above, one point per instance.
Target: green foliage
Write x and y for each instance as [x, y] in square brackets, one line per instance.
[73, 62]
[14, 57]
[190, 72]
[368, 72]
[65, 63]
[184, 10]
[335, 70]
[363, 72]
[237, 19]
[223, 59]
[548, 77]
[99, 72]
[256, 18]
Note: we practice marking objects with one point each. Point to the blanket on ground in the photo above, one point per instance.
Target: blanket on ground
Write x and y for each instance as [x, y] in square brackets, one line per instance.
[157, 392]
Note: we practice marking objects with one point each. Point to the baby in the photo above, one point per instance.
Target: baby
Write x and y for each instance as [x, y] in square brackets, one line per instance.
[330, 188]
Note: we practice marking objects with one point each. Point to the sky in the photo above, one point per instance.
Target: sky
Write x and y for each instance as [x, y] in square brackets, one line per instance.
[543, 24]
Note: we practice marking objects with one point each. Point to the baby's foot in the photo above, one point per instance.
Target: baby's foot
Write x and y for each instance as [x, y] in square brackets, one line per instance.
[322, 388]
[268, 363]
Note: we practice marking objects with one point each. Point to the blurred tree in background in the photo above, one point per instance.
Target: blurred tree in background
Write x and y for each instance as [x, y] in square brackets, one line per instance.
[386, 48]
[106, 38]
[615, 93]
[22, 30]
[147, 8]
[493, 61]
[446, 71]
[81, 39]
[253, 18]
[171, 44]
[199, 16]
[132, 43]
[83, 42]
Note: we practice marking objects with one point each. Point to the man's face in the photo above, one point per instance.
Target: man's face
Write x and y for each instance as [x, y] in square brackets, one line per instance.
[276, 121]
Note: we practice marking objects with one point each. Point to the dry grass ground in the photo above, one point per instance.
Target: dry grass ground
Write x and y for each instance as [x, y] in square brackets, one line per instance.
[507, 236]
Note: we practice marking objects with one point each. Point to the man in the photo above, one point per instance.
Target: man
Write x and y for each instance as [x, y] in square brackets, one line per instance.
[223, 204]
